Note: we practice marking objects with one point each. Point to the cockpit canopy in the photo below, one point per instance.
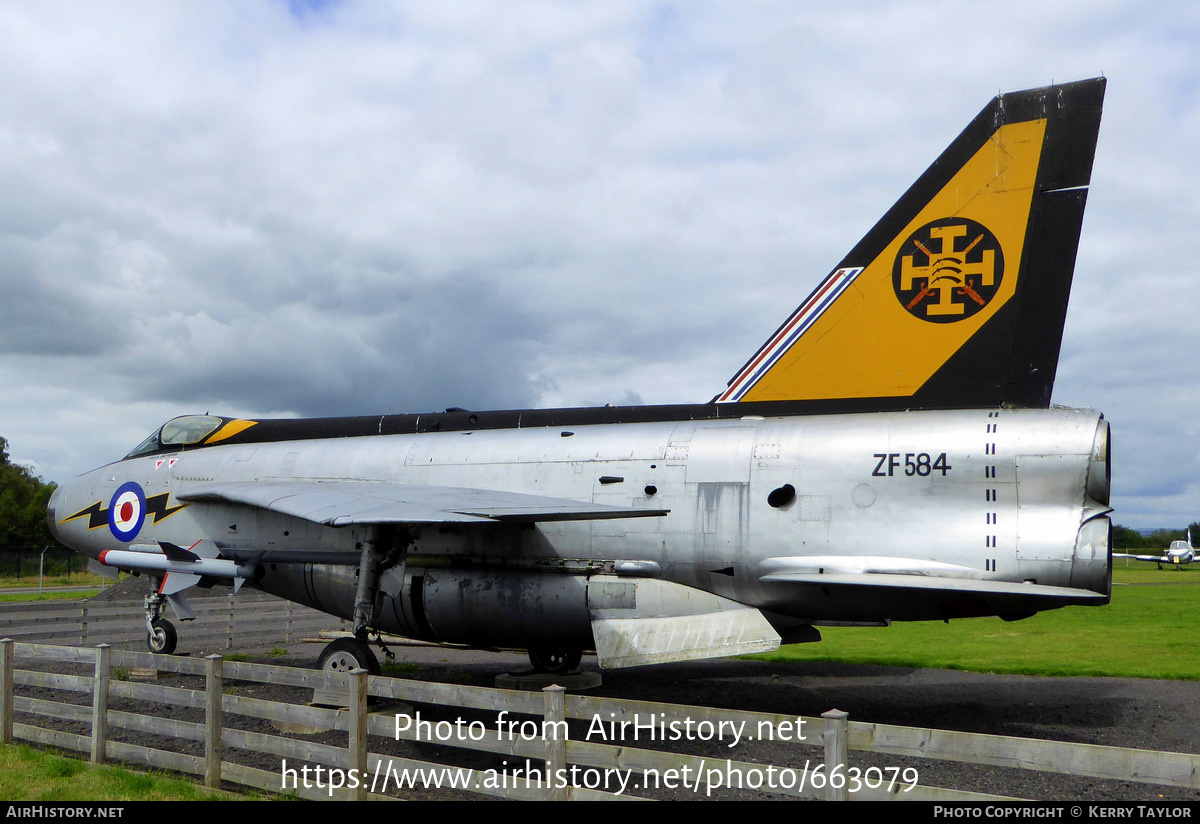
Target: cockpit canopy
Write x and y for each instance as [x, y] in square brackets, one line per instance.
[175, 434]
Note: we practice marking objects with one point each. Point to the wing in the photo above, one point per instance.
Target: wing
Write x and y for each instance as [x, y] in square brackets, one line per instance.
[341, 503]
[1154, 559]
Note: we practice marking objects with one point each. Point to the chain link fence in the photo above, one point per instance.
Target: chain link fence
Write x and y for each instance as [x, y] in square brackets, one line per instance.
[23, 563]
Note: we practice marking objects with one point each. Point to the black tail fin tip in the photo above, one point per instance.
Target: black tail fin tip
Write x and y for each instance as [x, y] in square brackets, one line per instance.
[957, 297]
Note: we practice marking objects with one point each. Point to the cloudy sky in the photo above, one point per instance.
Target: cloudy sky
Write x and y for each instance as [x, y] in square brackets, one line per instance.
[325, 208]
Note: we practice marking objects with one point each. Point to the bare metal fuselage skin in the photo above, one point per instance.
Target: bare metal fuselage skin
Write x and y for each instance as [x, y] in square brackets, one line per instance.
[853, 518]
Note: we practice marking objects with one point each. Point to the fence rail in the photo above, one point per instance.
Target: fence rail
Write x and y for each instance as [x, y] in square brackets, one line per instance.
[227, 618]
[211, 729]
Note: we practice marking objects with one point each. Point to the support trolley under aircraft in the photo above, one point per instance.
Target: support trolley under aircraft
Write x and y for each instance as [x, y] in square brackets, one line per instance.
[889, 454]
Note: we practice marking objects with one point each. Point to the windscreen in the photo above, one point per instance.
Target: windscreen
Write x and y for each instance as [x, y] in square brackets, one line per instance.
[178, 433]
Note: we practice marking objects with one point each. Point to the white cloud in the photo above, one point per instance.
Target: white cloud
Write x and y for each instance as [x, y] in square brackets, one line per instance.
[262, 208]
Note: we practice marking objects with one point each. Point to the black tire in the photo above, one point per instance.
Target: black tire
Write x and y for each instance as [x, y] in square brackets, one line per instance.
[346, 654]
[163, 639]
[555, 660]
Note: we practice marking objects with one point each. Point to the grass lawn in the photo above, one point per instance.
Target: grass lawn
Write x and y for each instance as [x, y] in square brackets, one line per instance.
[1150, 630]
[74, 595]
[27, 774]
[79, 579]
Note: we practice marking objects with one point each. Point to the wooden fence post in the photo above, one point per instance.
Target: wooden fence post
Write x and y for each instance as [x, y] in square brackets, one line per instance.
[83, 622]
[554, 717]
[100, 679]
[358, 732]
[6, 690]
[229, 626]
[836, 736]
[214, 693]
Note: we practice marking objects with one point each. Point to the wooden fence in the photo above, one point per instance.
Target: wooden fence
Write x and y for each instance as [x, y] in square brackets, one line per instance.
[209, 730]
[223, 621]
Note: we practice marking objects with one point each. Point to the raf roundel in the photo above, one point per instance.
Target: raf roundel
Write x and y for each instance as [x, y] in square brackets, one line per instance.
[127, 512]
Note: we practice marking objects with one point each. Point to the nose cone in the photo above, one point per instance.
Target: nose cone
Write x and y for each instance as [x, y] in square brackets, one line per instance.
[74, 513]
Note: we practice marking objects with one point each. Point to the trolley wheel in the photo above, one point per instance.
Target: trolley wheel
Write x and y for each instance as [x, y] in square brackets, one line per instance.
[555, 660]
[346, 654]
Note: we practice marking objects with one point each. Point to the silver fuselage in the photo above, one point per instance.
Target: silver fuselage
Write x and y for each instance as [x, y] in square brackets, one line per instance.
[978, 495]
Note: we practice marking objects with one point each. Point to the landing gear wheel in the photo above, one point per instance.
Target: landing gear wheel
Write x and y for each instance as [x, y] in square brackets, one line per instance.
[555, 660]
[162, 637]
[346, 654]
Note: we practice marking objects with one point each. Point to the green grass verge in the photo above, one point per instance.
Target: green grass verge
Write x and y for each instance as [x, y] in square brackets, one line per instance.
[74, 595]
[1148, 631]
[77, 580]
[27, 774]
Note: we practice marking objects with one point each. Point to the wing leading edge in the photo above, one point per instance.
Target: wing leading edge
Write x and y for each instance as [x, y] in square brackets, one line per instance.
[342, 503]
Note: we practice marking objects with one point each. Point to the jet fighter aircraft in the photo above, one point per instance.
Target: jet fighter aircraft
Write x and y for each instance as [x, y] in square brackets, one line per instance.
[889, 454]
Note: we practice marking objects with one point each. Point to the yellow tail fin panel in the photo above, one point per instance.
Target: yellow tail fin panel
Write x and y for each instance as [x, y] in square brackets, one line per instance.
[931, 309]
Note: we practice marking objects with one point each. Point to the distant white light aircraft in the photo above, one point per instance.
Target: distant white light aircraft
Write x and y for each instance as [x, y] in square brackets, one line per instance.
[888, 455]
[1178, 555]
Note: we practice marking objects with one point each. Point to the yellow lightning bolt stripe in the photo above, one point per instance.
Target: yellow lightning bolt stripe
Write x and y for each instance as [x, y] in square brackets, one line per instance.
[97, 515]
[156, 507]
[229, 430]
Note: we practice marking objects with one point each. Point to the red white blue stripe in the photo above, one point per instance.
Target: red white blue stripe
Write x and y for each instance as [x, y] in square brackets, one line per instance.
[800, 321]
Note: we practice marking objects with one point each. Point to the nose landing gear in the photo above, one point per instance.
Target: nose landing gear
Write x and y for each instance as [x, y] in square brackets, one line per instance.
[161, 637]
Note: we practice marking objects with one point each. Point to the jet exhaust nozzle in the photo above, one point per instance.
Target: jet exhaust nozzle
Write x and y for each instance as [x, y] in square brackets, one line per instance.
[1091, 565]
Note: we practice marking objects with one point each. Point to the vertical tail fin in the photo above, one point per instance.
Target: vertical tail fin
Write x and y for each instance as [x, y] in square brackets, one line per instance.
[958, 295]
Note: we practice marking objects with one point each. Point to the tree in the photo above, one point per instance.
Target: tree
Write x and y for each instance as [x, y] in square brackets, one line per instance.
[23, 501]
[1125, 538]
